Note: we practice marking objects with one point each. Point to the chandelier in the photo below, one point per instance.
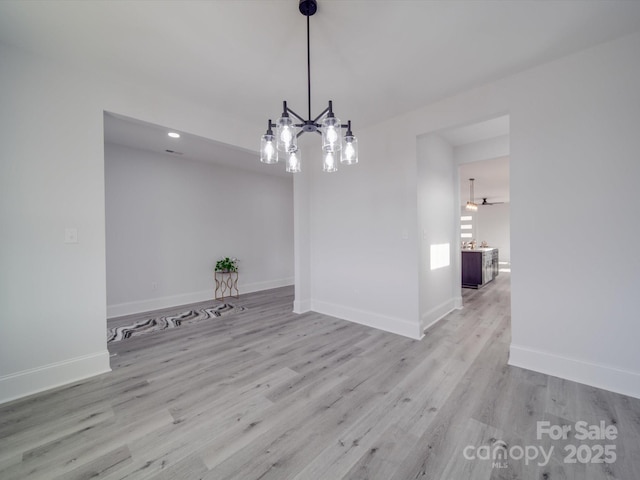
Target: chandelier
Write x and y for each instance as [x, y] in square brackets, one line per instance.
[334, 147]
[471, 206]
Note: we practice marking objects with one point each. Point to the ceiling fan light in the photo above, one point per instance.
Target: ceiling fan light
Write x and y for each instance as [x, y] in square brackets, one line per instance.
[472, 207]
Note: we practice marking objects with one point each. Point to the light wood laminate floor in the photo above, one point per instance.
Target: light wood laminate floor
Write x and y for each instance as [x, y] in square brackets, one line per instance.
[268, 394]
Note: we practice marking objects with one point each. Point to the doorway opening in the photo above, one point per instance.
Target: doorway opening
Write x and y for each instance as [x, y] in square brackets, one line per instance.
[447, 159]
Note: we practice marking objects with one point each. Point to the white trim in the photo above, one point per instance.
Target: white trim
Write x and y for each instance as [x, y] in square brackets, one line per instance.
[457, 303]
[593, 374]
[140, 306]
[436, 314]
[399, 326]
[35, 380]
[266, 285]
[301, 306]
[150, 304]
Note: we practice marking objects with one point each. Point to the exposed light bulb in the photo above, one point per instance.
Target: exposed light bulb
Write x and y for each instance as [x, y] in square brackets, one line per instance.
[349, 153]
[329, 163]
[332, 136]
[293, 162]
[286, 136]
[350, 149]
[268, 151]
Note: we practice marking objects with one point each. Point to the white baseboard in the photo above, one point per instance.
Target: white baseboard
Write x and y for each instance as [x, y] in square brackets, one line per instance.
[150, 304]
[457, 303]
[129, 308]
[268, 285]
[436, 314]
[593, 374]
[398, 326]
[35, 380]
[301, 306]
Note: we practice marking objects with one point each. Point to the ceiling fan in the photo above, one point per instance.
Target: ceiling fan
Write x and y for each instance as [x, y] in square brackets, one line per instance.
[484, 202]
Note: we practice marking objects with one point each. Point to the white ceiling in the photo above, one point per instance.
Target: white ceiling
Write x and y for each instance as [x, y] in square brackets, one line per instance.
[491, 175]
[491, 180]
[374, 59]
[476, 132]
[154, 138]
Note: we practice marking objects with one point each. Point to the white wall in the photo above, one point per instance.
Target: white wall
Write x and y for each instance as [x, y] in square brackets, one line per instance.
[574, 125]
[53, 295]
[363, 236]
[169, 219]
[302, 234]
[482, 150]
[575, 138]
[493, 226]
[437, 225]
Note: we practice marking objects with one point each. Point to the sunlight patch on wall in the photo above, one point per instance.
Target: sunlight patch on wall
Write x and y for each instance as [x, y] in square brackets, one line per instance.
[440, 256]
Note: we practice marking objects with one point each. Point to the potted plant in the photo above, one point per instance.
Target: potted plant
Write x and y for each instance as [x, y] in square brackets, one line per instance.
[227, 264]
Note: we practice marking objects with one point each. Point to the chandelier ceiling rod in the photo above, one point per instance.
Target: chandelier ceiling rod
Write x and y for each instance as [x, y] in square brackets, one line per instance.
[308, 8]
[325, 124]
[308, 67]
[471, 205]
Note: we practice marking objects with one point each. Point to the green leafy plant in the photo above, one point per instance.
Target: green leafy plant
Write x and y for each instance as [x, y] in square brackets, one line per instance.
[227, 264]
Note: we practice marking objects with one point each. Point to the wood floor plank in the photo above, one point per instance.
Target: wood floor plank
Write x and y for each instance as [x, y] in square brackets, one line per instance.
[100, 467]
[264, 393]
[176, 443]
[299, 405]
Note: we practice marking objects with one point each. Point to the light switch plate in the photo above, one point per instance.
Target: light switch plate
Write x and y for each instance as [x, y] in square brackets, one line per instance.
[70, 235]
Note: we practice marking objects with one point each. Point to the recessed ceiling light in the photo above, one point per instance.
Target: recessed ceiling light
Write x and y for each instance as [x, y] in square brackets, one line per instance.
[174, 135]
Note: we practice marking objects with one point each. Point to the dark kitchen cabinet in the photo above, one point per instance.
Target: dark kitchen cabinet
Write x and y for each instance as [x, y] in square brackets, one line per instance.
[479, 267]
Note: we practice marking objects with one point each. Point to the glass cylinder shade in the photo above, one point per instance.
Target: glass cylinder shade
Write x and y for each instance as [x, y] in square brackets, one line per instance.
[268, 150]
[329, 162]
[350, 150]
[331, 134]
[286, 135]
[293, 162]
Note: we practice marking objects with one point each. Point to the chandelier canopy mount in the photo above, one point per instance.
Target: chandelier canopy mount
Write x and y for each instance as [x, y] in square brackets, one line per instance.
[308, 7]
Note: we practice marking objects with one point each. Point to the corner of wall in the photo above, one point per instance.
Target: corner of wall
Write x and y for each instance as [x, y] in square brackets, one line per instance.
[301, 306]
[433, 316]
[399, 326]
[457, 303]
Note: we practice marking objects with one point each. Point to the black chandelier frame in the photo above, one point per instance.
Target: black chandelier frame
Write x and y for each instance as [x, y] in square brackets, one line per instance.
[308, 8]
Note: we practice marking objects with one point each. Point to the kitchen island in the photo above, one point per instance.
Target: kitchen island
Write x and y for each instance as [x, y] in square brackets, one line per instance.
[479, 266]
